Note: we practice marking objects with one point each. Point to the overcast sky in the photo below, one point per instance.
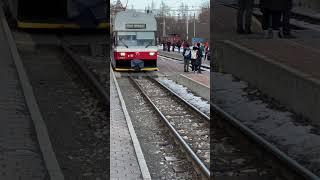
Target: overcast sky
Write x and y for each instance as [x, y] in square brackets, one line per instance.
[141, 4]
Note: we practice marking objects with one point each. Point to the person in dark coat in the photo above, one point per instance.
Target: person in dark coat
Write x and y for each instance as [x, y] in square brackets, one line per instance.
[163, 46]
[199, 58]
[245, 10]
[179, 46]
[168, 45]
[286, 20]
[186, 57]
[194, 56]
[272, 11]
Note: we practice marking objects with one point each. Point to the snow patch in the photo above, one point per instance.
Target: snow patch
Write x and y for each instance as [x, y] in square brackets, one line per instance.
[182, 91]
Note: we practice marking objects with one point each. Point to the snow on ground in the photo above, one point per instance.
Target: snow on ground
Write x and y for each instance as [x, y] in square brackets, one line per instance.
[290, 133]
[183, 92]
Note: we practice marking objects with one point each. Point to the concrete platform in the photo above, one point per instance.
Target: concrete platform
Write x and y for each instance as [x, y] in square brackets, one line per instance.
[287, 70]
[126, 158]
[199, 84]
[178, 56]
[20, 155]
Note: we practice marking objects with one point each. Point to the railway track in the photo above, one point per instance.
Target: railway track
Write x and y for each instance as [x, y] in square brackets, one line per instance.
[188, 125]
[91, 78]
[191, 129]
[229, 138]
[230, 157]
[282, 165]
[237, 151]
[72, 103]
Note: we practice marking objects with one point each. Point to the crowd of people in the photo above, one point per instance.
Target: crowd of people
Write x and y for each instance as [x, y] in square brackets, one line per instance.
[275, 17]
[168, 46]
[194, 55]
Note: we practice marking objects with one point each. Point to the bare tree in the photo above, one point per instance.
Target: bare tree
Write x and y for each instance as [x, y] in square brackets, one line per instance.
[203, 23]
[184, 21]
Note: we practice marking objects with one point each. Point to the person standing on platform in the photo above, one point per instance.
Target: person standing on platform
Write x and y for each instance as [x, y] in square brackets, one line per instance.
[286, 21]
[179, 46]
[245, 11]
[186, 57]
[202, 49]
[163, 45]
[184, 43]
[168, 46]
[194, 56]
[199, 58]
[206, 52]
[272, 11]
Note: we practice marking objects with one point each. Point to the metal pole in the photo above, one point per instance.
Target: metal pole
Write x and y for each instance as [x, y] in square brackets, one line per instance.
[187, 28]
[194, 25]
[164, 26]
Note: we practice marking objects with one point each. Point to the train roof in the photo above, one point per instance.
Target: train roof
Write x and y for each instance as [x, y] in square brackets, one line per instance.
[132, 20]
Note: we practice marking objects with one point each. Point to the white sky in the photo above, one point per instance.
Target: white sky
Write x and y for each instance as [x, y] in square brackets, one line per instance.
[141, 4]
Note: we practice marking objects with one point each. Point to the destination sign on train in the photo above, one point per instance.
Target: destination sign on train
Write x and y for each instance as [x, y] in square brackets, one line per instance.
[135, 26]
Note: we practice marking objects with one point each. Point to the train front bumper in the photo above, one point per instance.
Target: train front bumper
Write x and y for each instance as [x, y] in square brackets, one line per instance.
[136, 65]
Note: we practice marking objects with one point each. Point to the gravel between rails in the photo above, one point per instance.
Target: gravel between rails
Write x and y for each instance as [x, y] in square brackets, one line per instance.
[191, 126]
[76, 121]
[231, 158]
[163, 156]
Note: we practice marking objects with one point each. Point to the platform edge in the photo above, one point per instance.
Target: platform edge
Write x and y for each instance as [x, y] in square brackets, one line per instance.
[142, 162]
[49, 157]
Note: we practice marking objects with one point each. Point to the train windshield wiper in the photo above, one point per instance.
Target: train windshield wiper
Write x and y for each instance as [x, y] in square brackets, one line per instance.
[148, 44]
[124, 43]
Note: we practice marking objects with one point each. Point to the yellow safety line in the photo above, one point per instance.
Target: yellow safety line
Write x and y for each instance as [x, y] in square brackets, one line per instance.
[55, 25]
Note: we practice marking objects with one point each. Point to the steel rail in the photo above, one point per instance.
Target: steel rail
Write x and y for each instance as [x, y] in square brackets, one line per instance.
[265, 145]
[252, 135]
[95, 85]
[205, 170]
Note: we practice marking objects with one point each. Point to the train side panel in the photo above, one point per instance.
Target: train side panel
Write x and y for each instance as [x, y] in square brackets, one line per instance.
[59, 13]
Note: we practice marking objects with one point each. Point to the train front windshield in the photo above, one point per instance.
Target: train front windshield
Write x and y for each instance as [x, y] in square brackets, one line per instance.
[136, 39]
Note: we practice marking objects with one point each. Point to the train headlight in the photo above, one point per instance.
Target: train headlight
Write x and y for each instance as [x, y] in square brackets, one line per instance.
[152, 53]
[122, 54]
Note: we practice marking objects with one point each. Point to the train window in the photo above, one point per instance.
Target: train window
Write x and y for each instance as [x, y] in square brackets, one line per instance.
[136, 39]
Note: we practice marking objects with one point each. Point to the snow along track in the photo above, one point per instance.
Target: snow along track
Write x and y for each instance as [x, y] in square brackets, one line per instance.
[183, 93]
[282, 166]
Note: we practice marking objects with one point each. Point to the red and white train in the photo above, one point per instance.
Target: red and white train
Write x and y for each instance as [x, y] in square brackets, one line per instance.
[134, 42]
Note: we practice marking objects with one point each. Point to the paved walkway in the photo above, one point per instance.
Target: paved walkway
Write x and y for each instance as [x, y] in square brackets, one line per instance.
[170, 68]
[123, 160]
[298, 54]
[20, 157]
[177, 55]
[203, 79]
